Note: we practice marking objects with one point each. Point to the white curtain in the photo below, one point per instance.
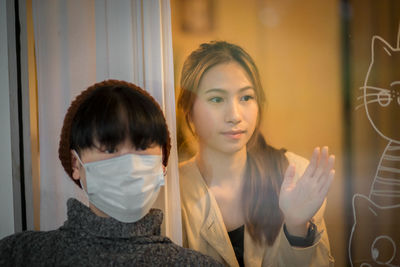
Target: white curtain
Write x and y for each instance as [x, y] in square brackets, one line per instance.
[79, 43]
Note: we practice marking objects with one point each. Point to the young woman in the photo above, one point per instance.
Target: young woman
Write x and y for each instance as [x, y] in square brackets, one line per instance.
[114, 144]
[243, 201]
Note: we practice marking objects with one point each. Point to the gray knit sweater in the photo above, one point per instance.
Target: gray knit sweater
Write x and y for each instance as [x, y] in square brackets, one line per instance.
[89, 240]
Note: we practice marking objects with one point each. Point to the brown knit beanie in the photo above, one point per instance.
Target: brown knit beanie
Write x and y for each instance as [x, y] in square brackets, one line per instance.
[64, 149]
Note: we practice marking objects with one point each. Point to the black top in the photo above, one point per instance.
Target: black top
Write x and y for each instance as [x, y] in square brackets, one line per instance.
[237, 239]
[86, 239]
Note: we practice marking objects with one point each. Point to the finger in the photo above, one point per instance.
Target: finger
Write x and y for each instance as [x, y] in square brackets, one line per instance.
[331, 161]
[289, 176]
[309, 172]
[323, 162]
[327, 184]
[329, 166]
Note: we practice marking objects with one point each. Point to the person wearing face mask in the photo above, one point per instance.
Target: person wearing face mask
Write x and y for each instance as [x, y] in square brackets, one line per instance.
[114, 145]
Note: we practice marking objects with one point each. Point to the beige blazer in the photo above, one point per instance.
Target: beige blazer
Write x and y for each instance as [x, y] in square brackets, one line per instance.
[204, 229]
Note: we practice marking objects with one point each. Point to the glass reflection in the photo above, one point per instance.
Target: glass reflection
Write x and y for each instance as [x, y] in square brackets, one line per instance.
[238, 189]
[313, 59]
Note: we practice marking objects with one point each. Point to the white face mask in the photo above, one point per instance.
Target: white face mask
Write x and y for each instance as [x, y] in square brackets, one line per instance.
[124, 187]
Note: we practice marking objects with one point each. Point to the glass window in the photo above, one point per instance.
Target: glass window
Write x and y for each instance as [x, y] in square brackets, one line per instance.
[330, 74]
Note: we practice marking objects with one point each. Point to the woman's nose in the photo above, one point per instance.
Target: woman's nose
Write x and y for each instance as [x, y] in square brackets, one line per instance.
[233, 112]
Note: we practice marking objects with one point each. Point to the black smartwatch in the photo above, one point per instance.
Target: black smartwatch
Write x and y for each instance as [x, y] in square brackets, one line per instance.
[303, 242]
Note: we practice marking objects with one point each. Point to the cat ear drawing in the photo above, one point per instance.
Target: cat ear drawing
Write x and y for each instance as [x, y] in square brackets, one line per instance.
[379, 46]
[361, 205]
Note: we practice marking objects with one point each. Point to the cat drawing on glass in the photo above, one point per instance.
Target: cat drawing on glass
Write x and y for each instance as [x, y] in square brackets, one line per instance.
[376, 229]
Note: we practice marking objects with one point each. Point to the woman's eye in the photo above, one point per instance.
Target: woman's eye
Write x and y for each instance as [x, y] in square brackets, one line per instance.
[246, 98]
[216, 99]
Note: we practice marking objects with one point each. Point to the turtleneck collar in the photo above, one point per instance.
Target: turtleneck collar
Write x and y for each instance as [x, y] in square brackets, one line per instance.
[81, 217]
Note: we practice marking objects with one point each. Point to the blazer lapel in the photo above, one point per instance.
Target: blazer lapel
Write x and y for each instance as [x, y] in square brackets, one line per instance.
[213, 231]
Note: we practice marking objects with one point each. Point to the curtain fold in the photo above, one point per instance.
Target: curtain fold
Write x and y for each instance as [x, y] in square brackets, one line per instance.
[79, 43]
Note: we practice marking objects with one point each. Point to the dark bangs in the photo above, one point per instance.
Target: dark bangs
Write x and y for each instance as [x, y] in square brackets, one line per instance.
[113, 114]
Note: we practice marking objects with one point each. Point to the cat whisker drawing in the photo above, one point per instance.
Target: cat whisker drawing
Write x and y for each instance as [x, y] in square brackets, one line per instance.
[374, 88]
[367, 95]
[374, 101]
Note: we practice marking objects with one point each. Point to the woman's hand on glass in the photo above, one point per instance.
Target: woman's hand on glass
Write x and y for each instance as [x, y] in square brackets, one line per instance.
[300, 200]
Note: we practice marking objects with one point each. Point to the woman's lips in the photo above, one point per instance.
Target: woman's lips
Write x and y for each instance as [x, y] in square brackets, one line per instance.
[237, 134]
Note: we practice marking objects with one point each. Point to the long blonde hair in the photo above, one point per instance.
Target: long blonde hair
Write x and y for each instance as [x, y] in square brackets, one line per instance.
[265, 164]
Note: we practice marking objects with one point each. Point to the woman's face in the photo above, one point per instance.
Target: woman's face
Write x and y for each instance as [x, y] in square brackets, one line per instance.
[225, 111]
